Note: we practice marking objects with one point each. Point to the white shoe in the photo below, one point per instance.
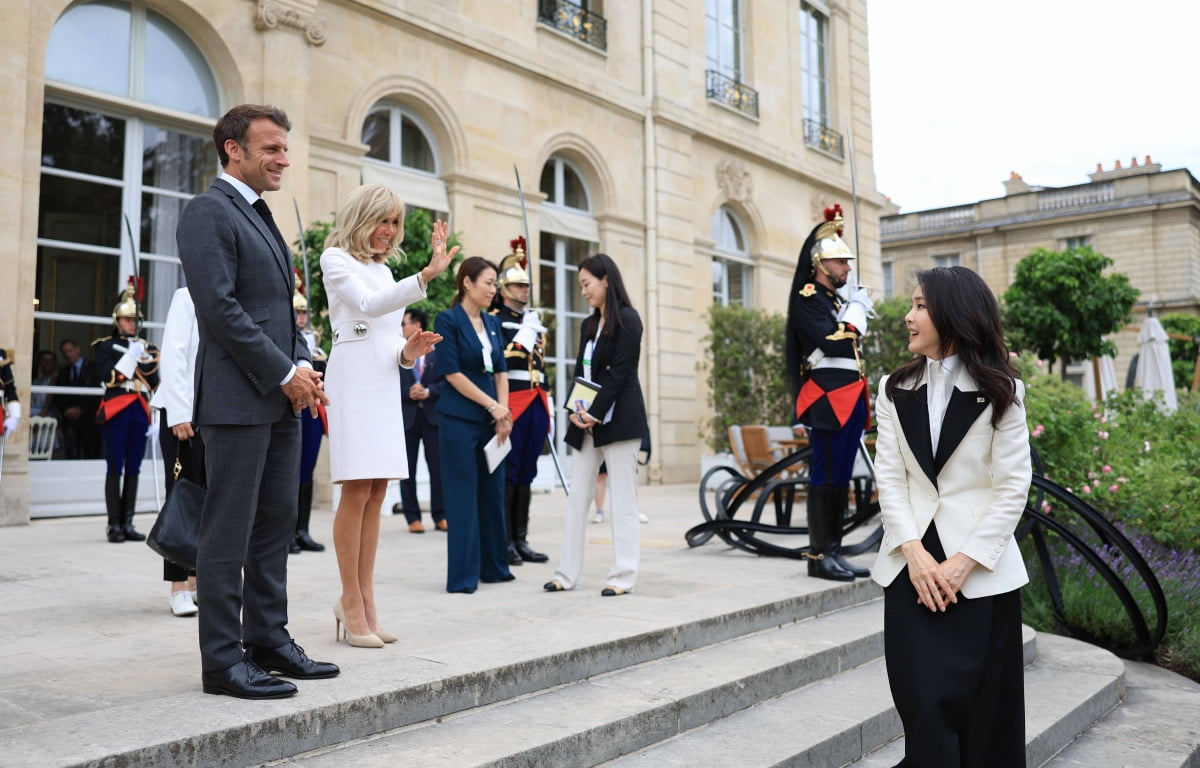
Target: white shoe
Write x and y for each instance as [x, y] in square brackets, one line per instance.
[598, 516]
[642, 517]
[181, 604]
[195, 600]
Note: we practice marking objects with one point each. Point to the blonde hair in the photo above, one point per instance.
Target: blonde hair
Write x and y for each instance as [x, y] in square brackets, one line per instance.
[364, 210]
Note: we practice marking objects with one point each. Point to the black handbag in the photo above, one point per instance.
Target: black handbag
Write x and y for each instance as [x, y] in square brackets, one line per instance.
[176, 532]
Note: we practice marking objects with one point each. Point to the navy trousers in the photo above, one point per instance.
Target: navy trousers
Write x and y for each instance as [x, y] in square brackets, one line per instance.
[477, 542]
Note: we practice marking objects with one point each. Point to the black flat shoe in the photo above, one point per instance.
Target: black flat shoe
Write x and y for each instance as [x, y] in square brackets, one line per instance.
[613, 592]
[526, 552]
[305, 542]
[514, 557]
[245, 680]
[554, 586]
[290, 659]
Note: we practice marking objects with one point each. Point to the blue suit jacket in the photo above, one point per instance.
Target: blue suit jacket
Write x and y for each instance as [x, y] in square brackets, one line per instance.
[459, 351]
[433, 379]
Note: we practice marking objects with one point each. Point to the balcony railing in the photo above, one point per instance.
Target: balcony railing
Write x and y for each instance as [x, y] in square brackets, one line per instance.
[732, 93]
[571, 19]
[822, 137]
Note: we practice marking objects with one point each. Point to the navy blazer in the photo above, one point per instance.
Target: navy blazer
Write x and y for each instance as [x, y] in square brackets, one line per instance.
[433, 379]
[459, 351]
[615, 369]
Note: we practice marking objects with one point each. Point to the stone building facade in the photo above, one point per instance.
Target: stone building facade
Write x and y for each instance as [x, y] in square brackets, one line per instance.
[1145, 219]
[694, 141]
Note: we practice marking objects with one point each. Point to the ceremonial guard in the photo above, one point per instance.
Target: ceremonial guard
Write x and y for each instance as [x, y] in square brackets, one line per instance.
[128, 368]
[524, 351]
[828, 384]
[312, 429]
[8, 397]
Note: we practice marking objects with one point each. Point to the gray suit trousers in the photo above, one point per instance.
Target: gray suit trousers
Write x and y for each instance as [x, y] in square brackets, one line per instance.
[249, 519]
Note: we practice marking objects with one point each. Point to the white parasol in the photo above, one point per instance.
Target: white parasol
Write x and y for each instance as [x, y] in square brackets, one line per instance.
[1108, 377]
[1154, 363]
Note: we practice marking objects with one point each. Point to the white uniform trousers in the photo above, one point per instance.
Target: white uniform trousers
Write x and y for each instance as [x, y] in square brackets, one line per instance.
[621, 460]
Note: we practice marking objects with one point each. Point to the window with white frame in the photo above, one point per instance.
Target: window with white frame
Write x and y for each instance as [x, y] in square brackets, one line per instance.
[889, 283]
[1079, 241]
[947, 260]
[112, 168]
[731, 264]
[403, 156]
[569, 234]
[723, 37]
[814, 67]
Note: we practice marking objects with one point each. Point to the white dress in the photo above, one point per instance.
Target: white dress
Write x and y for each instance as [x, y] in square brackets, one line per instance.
[366, 423]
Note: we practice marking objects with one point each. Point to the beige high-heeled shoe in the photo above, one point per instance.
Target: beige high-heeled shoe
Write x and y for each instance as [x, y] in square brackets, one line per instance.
[342, 629]
[386, 636]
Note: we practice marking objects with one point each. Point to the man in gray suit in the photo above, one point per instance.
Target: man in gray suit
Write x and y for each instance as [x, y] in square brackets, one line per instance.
[253, 374]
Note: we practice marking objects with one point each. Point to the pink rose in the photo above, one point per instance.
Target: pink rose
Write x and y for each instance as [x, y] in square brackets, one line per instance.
[1106, 469]
[1113, 488]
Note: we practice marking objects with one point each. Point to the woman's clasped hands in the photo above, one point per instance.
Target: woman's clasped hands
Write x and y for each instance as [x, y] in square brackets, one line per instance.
[936, 584]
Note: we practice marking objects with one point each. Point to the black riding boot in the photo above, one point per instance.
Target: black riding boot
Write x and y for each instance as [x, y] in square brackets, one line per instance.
[128, 502]
[510, 522]
[524, 495]
[841, 499]
[820, 543]
[303, 540]
[112, 502]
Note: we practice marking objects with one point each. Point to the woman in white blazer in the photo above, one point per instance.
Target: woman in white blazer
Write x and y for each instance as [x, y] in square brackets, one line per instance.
[953, 469]
[366, 421]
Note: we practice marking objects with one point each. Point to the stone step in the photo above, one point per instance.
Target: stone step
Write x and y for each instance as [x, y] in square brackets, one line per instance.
[1068, 688]
[606, 716]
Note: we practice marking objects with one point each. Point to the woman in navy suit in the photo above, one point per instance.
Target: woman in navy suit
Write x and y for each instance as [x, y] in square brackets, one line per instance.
[472, 410]
[953, 468]
[610, 430]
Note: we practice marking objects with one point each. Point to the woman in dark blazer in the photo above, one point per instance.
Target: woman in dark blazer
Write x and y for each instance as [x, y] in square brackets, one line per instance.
[610, 430]
[472, 410]
[953, 467]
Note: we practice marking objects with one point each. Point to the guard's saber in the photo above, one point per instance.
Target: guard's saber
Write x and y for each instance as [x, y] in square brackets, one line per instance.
[853, 197]
[304, 249]
[529, 255]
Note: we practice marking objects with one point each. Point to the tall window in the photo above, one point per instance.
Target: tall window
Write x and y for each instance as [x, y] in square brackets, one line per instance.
[814, 27]
[568, 236]
[889, 280]
[119, 166]
[723, 37]
[731, 261]
[402, 155]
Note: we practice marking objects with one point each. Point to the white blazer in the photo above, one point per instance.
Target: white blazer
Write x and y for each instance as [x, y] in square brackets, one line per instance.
[976, 486]
[177, 360]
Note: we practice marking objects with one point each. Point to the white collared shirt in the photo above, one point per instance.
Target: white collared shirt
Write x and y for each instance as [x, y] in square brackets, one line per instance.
[940, 375]
[242, 187]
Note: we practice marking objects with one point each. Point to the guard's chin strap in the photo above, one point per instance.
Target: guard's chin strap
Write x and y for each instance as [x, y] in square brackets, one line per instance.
[821, 268]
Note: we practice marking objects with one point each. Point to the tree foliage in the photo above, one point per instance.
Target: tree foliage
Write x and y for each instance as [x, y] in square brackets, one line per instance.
[745, 372]
[1060, 305]
[418, 229]
[1183, 353]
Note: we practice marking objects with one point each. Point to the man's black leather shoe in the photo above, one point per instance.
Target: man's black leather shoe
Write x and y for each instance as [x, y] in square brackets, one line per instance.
[290, 660]
[246, 680]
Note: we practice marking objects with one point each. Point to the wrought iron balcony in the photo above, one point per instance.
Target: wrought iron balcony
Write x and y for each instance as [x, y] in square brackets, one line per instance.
[571, 19]
[822, 137]
[732, 93]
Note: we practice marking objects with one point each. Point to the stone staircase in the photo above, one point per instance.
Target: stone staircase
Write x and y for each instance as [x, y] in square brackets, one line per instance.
[794, 682]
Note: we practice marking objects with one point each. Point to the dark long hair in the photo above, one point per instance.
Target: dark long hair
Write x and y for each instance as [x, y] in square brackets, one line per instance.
[471, 267]
[967, 319]
[600, 265]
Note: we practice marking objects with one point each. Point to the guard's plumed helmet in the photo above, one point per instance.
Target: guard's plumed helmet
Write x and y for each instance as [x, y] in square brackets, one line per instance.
[127, 304]
[512, 268]
[299, 303]
[827, 240]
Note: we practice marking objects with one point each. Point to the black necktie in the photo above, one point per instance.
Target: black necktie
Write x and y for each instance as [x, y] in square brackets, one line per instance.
[260, 205]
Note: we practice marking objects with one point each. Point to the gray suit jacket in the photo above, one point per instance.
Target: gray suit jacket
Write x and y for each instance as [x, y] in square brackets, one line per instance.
[241, 282]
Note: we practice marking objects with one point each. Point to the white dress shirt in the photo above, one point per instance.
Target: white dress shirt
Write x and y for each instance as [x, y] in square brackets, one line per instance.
[941, 375]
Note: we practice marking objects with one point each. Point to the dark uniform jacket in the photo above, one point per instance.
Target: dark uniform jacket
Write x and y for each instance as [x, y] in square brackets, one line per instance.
[824, 395]
[121, 391]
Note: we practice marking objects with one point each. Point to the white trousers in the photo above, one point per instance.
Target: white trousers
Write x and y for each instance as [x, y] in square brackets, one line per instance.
[621, 460]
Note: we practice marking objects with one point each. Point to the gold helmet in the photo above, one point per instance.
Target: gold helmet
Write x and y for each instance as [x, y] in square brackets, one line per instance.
[827, 239]
[512, 268]
[127, 304]
[299, 302]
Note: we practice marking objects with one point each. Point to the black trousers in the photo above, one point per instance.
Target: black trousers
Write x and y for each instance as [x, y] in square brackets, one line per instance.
[956, 677]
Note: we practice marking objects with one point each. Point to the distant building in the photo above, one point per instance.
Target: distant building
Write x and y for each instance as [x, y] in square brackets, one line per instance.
[1145, 219]
[695, 141]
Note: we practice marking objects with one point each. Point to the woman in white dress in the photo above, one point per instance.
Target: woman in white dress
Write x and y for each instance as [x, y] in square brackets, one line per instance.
[366, 425]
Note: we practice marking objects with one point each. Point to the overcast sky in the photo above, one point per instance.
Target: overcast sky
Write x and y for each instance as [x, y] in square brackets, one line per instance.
[962, 93]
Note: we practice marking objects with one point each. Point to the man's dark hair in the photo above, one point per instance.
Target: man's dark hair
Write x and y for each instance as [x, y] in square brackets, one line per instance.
[419, 317]
[236, 122]
[72, 342]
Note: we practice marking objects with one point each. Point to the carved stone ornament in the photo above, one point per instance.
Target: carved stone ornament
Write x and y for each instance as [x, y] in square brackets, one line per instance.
[272, 13]
[734, 180]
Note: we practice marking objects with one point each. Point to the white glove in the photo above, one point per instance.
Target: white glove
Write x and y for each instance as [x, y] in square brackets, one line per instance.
[137, 348]
[862, 295]
[10, 424]
[531, 327]
[152, 430]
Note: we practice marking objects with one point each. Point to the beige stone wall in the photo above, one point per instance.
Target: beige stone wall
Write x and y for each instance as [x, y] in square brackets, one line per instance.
[496, 88]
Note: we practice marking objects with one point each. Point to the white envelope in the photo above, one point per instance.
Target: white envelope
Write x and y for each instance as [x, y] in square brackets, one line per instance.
[495, 453]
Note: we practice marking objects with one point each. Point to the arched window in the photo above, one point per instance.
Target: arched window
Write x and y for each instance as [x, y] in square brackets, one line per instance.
[569, 234]
[403, 156]
[117, 168]
[731, 262]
